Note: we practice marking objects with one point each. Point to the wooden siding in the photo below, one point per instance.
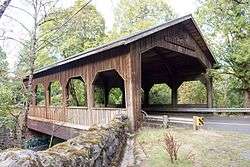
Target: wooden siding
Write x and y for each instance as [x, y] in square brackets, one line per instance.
[127, 61]
[175, 39]
[76, 115]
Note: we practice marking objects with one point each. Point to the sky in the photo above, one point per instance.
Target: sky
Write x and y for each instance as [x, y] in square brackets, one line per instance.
[181, 7]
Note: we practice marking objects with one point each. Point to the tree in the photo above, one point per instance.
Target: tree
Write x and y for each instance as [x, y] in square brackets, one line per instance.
[135, 15]
[3, 64]
[85, 30]
[192, 92]
[38, 13]
[160, 94]
[4, 6]
[5, 90]
[226, 23]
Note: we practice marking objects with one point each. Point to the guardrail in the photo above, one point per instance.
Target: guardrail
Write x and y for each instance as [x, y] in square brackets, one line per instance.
[199, 110]
[165, 120]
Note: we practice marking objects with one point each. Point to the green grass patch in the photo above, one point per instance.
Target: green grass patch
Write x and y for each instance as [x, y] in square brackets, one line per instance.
[199, 148]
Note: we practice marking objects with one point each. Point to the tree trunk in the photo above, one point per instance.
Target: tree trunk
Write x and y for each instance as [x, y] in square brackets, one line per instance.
[24, 120]
[247, 98]
[4, 6]
[73, 93]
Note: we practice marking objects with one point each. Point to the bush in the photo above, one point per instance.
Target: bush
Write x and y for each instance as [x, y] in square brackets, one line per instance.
[171, 146]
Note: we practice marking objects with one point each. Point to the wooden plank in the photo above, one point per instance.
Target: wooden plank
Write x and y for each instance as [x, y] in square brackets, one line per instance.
[63, 130]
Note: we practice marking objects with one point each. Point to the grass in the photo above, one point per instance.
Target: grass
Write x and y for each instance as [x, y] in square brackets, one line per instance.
[199, 148]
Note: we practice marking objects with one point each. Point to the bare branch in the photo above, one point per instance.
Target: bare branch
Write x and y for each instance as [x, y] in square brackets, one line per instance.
[23, 10]
[4, 6]
[10, 38]
[20, 23]
[70, 18]
[240, 1]
[45, 21]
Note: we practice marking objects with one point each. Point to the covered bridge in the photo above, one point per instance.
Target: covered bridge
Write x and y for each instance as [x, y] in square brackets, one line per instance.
[170, 53]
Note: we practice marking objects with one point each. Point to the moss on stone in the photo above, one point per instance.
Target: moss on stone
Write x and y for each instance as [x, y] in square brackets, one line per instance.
[87, 149]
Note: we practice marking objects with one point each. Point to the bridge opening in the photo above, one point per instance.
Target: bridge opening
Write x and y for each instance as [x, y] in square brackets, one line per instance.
[55, 93]
[76, 92]
[160, 94]
[40, 95]
[109, 90]
[164, 81]
[193, 93]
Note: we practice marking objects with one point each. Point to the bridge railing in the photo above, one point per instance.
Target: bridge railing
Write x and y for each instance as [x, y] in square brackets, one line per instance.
[76, 115]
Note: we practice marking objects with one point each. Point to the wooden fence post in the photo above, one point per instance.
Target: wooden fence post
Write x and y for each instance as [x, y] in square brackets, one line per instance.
[195, 127]
[165, 120]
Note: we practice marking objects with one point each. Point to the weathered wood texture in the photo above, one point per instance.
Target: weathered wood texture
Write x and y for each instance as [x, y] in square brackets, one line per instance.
[171, 56]
[62, 131]
[76, 115]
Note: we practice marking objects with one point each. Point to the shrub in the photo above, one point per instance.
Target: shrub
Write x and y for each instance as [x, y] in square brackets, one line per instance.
[171, 146]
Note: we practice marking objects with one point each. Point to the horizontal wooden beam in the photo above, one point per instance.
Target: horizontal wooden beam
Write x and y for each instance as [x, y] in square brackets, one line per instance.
[58, 129]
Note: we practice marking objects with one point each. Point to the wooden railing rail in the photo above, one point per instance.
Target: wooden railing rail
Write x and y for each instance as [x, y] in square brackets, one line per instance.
[76, 115]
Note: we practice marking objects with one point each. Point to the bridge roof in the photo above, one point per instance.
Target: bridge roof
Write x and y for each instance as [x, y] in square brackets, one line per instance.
[187, 20]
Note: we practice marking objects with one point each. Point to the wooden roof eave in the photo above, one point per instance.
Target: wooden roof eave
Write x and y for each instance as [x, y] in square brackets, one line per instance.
[125, 41]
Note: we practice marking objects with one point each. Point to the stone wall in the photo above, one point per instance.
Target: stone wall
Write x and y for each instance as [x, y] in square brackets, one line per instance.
[99, 146]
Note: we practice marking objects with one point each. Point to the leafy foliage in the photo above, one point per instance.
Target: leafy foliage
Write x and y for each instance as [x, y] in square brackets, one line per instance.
[160, 94]
[226, 24]
[136, 15]
[85, 30]
[6, 93]
[115, 96]
[77, 93]
[40, 95]
[99, 96]
[192, 92]
[55, 93]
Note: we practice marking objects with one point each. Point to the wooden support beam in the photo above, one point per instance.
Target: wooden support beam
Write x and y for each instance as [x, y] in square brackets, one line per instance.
[146, 96]
[133, 86]
[90, 95]
[106, 95]
[123, 97]
[209, 87]
[174, 85]
[47, 97]
[174, 96]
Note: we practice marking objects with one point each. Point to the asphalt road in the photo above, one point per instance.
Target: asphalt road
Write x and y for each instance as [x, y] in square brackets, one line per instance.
[239, 124]
[236, 124]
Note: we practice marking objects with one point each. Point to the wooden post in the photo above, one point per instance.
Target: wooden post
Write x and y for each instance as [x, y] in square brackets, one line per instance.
[133, 86]
[146, 96]
[247, 98]
[123, 97]
[174, 96]
[90, 95]
[65, 103]
[47, 98]
[106, 95]
[195, 127]
[165, 120]
[209, 88]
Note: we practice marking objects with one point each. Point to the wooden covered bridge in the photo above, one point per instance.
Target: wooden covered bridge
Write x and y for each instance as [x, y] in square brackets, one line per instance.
[170, 53]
